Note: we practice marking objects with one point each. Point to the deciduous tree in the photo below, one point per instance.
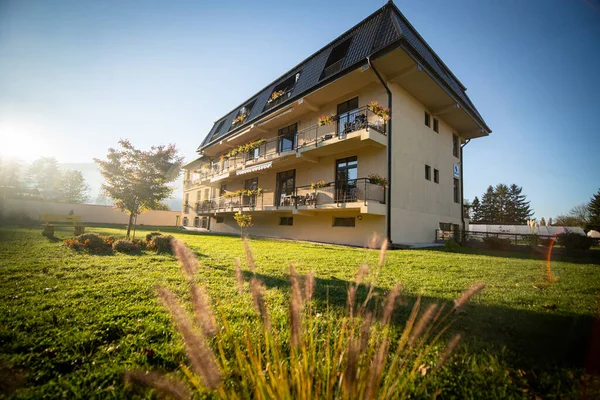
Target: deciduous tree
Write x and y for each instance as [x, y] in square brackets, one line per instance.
[72, 187]
[139, 180]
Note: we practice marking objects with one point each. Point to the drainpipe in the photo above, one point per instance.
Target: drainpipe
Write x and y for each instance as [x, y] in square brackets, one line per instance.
[389, 156]
[462, 195]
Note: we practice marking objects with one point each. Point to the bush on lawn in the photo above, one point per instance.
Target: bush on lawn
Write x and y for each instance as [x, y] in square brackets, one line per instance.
[161, 243]
[124, 246]
[574, 241]
[451, 246]
[151, 235]
[140, 244]
[359, 355]
[497, 243]
[90, 241]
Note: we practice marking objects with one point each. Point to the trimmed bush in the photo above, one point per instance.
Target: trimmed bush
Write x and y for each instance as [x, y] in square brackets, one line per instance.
[575, 241]
[451, 246]
[497, 243]
[124, 246]
[151, 235]
[140, 244]
[161, 243]
[91, 241]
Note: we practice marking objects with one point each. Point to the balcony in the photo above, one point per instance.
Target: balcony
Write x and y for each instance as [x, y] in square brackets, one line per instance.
[359, 194]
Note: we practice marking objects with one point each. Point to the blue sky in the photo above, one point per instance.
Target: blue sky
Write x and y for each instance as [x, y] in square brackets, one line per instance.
[75, 76]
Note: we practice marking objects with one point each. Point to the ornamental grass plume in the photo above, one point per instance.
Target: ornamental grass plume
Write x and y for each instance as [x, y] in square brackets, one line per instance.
[364, 353]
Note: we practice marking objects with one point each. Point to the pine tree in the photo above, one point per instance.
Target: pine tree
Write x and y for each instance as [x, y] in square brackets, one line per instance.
[522, 210]
[550, 221]
[488, 207]
[502, 204]
[594, 212]
[542, 222]
[475, 211]
[72, 187]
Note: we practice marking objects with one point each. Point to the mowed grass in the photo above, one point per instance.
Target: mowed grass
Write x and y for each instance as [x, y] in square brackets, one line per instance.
[72, 322]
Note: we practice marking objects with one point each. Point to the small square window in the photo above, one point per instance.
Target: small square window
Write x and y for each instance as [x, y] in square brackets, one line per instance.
[436, 125]
[436, 176]
[427, 172]
[456, 191]
[219, 219]
[344, 221]
[286, 221]
[455, 142]
[427, 119]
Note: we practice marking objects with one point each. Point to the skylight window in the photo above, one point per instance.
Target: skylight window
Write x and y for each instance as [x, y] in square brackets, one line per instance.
[218, 129]
[243, 114]
[336, 58]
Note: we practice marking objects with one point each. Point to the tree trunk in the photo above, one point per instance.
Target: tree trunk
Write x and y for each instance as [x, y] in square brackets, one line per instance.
[129, 225]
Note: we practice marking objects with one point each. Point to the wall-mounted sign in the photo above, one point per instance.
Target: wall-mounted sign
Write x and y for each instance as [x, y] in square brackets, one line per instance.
[456, 171]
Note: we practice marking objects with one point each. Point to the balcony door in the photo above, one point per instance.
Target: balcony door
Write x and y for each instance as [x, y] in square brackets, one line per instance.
[287, 138]
[346, 113]
[250, 184]
[346, 174]
[286, 184]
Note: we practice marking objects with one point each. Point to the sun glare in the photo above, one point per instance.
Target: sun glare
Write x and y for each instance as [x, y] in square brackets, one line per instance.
[19, 142]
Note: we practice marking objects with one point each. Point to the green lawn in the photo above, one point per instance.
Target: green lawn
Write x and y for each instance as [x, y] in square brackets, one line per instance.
[71, 322]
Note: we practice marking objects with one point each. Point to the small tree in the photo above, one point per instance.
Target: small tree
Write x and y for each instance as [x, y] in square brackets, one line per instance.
[244, 221]
[72, 187]
[594, 212]
[43, 174]
[542, 222]
[138, 180]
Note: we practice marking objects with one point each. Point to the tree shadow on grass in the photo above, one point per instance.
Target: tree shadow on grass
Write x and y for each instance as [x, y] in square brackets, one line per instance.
[532, 338]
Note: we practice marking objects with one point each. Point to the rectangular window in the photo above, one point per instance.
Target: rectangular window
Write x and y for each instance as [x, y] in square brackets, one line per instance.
[198, 195]
[243, 114]
[344, 221]
[427, 119]
[285, 187]
[456, 191]
[346, 174]
[436, 125]
[436, 176]
[346, 115]
[445, 226]
[286, 221]
[455, 145]
[287, 138]
[206, 194]
[187, 198]
[427, 172]
[336, 59]
[282, 91]
[219, 219]
[223, 189]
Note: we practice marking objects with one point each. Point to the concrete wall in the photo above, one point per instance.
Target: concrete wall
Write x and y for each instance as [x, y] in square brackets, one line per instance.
[88, 212]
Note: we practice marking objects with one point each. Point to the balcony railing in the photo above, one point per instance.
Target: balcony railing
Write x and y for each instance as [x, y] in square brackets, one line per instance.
[360, 190]
[310, 137]
[286, 95]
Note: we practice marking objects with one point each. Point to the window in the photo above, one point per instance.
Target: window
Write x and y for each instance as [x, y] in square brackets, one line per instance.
[285, 187]
[250, 184]
[346, 173]
[218, 129]
[336, 59]
[436, 125]
[282, 91]
[456, 191]
[427, 172]
[436, 176]
[445, 226]
[287, 138]
[253, 154]
[187, 199]
[455, 145]
[206, 193]
[427, 119]
[344, 221]
[223, 189]
[185, 221]
[219, 219]
[243, 114]
[346, 114]
[287, 221]
[198, 195]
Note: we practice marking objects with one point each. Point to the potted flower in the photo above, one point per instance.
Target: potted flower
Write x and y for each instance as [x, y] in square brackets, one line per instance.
[381, 112]
[378, 180]
[318, 185]
[325, 120]
[275, 95]
[240, 118]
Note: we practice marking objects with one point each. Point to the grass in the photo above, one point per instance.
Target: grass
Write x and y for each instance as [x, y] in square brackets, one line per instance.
[71, 323]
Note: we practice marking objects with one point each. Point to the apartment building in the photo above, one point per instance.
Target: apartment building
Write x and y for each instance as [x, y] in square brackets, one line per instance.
[364, 136]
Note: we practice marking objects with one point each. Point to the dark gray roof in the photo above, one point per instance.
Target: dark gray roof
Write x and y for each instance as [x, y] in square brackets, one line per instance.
[381, 31]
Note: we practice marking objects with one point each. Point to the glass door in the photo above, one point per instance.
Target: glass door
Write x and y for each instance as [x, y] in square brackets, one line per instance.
[286, 184]
[346, 114]
[287, 138]
[250, 184]
[346, 174]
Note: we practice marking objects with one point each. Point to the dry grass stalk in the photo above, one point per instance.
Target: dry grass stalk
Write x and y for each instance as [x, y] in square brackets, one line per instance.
[239, 276]
[309, 286]
[422, 323]
[464, 299]
[390, 304]
[383, 251]
[448, 350]
[201, 357]
[249, 256]
[166, 387]
[376, 369]
[256, 288]
[295, 307]
[202, 310]
[187, 259]
[365, 329]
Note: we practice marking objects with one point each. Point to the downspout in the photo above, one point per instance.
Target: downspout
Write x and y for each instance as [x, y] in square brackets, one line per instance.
[462, 194]
[388, 200]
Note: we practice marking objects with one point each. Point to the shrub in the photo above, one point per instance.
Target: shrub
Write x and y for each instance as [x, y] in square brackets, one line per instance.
[359, 355]
[451, 246]
[497, 243]
[151, 235]
[124, 246]
[575, 241]
[140, 244]
[92, 241]
[161, 243]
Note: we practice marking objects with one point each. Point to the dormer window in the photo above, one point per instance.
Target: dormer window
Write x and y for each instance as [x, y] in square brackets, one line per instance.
[243, 114]
[336, 58]
[282, 91]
